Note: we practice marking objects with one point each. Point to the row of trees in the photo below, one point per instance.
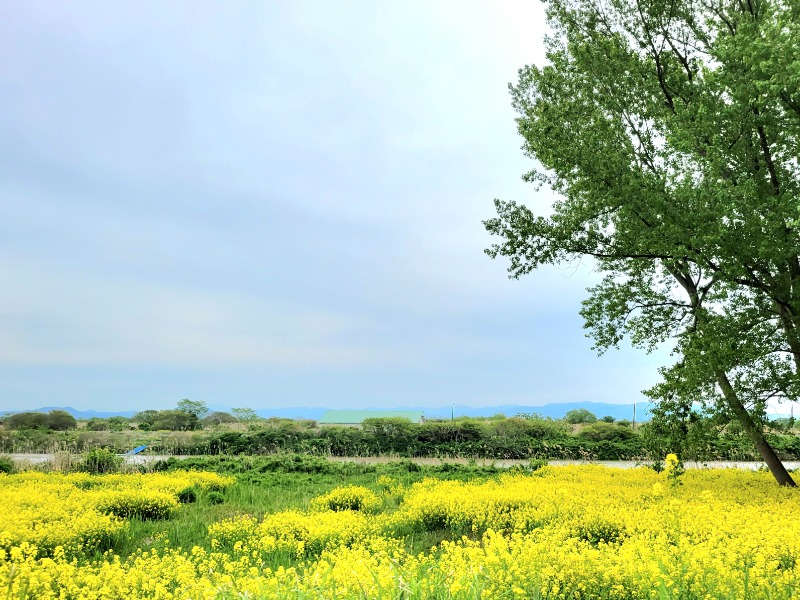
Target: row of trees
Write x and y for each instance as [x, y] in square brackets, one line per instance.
[55, 420]
[700, 437]
[695, 436]
[189, 415]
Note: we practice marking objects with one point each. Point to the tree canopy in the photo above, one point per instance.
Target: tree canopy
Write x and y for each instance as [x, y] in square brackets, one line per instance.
[669, 129]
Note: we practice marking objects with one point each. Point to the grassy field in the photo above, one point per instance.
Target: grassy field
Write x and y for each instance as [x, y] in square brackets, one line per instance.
[301, 527]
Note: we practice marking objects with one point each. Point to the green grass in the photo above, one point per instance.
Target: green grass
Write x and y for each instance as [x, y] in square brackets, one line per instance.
[266, 485]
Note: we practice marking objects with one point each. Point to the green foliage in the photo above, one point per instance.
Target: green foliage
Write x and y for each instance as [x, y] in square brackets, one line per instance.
[602, 430]
[536, 463]
[115, 423]
[707, 437]
[196, 408]
[217, 418]
[26, 420]
[669, 132]
[99, 461]
[6, 465]
[60, 420]
[55, 420]
[597, 530]
[214, 497]
[350, 497]
[577, 416]
[188, 495]
[244, 415]
[167, 420]
[143, 506]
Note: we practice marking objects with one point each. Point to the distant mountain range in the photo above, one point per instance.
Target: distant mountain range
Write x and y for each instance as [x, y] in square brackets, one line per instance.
[555, 411]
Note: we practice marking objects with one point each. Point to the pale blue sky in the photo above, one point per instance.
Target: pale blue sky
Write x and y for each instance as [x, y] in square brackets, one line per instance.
[274, 204]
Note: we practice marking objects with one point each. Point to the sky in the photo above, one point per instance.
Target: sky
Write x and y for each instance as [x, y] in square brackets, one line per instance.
[277, 204]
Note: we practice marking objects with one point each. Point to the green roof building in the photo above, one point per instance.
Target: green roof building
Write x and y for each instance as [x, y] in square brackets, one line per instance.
[354, 418]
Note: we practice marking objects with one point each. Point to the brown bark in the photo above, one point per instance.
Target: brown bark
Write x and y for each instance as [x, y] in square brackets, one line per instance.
[755, 432]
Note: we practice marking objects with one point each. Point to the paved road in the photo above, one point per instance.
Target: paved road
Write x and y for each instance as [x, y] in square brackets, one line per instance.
[143, 459]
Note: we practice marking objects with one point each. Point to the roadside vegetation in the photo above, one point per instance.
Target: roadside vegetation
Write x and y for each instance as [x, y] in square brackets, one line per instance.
[579, 435]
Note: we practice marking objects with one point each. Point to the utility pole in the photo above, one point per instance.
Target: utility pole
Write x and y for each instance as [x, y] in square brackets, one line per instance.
[453, 412]
[633, 425]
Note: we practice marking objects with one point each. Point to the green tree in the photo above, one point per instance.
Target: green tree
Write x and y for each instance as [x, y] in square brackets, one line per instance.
[670, 131]
[603, 431]
[26, 420]
[118, 423]
[244, 415]
[194, 407]
[217, 418]
[579, 415]
[60, 420]
[175, 420]
[97, 424]
[145, 418]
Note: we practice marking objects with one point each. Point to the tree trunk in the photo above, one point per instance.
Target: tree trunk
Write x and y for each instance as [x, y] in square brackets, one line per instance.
[755, 432]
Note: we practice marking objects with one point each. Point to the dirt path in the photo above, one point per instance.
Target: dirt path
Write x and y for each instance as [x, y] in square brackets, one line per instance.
[143, 459]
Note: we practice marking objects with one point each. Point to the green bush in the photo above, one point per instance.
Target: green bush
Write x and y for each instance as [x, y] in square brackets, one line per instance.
[596, 530]
[6, 465]
[188, 495]
[215, 498]
[350, 497]
[535, 464]
[144, 505]
[602, 431]
[580, 415]
[100, 460]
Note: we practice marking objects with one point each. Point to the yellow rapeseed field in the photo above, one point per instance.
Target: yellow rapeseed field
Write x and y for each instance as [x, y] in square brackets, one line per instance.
[560, 532]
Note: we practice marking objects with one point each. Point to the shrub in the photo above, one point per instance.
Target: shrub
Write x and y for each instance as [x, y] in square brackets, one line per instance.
[215, 498]
[596, 530]
[100, 460]
[60, 420]
[602, 431]
[535, 464]
[6, 465]
[187, 495]
[142, 504]
[26, 420]
[579, 415]
[350, 497]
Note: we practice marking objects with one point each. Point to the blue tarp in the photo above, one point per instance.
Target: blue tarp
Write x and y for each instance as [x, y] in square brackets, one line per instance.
[135, 450]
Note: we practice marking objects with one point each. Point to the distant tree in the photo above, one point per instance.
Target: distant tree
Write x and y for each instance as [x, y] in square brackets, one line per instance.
[60, 420]
[391, 433]
[544, 427]
[194, 407]
[118, 423]
[607, 419]
[175, 420]
[26, 420]
[115, 423]
[244, 415]
[579, 415]
[145, 418]
[603, 431]
[97, 424]
[217, 418]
